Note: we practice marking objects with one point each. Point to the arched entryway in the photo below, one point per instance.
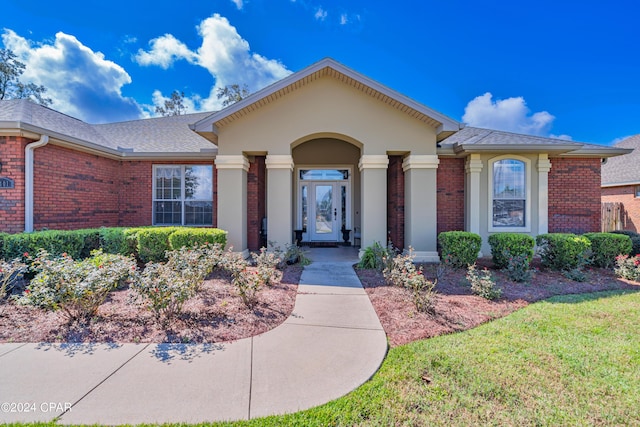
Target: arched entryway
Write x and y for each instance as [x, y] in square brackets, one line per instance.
[326, 205]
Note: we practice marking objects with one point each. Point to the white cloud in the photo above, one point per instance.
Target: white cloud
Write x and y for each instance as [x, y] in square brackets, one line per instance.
[239, 3]
[562, 136]
[81, 82]
[511, 114]
[165, 50]
[321, 14]
[344, 20]
[223, 53]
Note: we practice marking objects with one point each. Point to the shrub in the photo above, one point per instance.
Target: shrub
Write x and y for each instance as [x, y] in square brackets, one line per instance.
[401, 271]
[294, 254]
[635, 240]
[10, 272]
[190, 237]
[76, 288]
[459, 248]
[628, 267]
[246, 283]
[373, 257]
[2, 237]
[267, 263]
[483, 284]
[605, 247]
[153, 243]
[518, 267]
[113, 240]
[563, 251]
[505, 246]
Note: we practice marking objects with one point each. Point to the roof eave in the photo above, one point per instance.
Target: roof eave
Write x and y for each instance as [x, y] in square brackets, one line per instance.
[194, 155]
[602, 152]
[514, 148]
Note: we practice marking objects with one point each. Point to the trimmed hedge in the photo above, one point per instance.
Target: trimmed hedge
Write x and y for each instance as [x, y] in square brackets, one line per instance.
[605, 247]
[459, 248]
[505, 245]
[153, 243]
[563, 251]
[635, 240]
[56, 242]
[113, 240]
[190, 237]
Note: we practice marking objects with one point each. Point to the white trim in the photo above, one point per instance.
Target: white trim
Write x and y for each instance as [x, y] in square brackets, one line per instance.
[473, 167]
[621, 184]
[420, 161]
[527, 183]
[373, 161]
[544, 166]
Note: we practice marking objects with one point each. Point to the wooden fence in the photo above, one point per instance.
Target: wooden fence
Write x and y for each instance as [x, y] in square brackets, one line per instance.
[612, 214]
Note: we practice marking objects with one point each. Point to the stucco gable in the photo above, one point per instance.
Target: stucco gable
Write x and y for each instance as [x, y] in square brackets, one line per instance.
[328, 67]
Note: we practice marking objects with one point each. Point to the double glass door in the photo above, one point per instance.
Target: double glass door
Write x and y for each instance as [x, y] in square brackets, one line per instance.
[324, 210]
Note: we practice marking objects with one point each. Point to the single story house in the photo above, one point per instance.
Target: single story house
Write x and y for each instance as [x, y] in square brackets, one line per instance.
[319, 152]
[621, 183]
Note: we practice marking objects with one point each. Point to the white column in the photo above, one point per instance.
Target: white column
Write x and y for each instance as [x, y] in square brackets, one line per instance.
[232, 199]
[279, 198]
[373, 184]
[420, 206]
[544, 166]
[473, 167]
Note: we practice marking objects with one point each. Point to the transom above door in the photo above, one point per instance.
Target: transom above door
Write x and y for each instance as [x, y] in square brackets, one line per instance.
[324, 204]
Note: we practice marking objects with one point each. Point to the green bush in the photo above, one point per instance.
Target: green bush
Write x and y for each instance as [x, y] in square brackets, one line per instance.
[459, 248]
[113, 240]
[153, 243]
[2, 238]
[508, 245]
[635, 240]
[189, 237]
[55, 242]
[373, 257]
[605, 247]
[563, 251]
[483, 284]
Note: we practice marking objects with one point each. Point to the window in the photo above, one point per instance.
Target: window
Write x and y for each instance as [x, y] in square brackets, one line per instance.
[637, 190]
[183, 195]
[508, 192]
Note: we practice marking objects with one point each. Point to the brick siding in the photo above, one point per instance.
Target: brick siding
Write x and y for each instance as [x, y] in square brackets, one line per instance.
[395, 201]
[450, 194]
[574, 195]
[12, 199]
[256, 201]
[631, 204]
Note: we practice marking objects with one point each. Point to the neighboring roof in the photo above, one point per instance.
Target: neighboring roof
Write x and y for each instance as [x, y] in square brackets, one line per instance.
[476, 140]
[156, 137]
[623, 170]
[444, 125]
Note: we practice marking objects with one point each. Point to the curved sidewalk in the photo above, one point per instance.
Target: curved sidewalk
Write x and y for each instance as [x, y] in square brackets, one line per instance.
[331, 344]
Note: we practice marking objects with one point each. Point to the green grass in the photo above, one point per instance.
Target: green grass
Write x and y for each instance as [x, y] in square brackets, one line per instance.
[570, 360]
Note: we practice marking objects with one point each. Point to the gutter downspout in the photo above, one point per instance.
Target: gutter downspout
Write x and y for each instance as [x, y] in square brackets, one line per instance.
[28, 180]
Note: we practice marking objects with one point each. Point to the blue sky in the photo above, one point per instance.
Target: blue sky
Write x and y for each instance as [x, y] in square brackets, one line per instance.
[560, 68]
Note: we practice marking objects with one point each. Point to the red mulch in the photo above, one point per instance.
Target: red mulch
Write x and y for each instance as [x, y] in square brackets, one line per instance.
[216, 314]
[457, 309]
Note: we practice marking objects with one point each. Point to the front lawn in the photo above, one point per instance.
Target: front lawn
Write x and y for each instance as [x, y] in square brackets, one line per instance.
[570, 360]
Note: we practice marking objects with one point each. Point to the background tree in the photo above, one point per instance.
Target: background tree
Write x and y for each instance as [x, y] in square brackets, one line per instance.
[10, 85]
[231, 94]
[174, 106]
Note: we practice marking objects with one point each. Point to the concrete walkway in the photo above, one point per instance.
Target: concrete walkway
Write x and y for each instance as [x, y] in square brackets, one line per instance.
[332, 343]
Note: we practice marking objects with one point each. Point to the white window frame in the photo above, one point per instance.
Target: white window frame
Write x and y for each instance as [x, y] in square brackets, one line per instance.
[527, 182]
[637, 191]
[182, 198]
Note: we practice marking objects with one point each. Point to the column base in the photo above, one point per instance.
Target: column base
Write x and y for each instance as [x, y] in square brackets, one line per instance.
[426, 256]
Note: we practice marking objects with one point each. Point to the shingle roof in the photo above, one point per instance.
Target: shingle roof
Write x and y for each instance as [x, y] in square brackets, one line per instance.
[146, 136]
[623, 169]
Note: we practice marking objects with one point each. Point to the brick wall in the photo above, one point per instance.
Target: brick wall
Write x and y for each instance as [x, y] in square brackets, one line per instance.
[450, 194]
[631, 204]
[256, 198]
[395, 201]
[12, 199]
[574, 195]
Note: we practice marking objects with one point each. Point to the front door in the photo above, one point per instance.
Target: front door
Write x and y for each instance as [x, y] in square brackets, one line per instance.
[324, 213]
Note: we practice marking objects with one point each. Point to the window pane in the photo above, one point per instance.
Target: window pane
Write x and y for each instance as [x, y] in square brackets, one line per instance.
[198, 213]
[324, 174]
[305, 208]
[508, 213]
[508, 179]
[168, 213]
[198, 183]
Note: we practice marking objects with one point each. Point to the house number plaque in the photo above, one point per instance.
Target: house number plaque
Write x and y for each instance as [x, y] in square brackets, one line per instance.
[6, 183]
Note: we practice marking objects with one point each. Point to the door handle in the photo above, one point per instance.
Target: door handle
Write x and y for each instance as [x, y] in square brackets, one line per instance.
[335, 214]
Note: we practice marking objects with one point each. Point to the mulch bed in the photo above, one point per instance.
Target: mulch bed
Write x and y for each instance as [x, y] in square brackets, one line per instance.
[216, 314]
[457, 309]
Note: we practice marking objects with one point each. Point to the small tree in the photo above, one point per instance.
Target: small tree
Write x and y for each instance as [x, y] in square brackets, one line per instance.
[174, 106]
[230, 94]
[10, 85]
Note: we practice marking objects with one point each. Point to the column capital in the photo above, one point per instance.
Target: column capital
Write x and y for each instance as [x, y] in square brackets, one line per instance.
[544, 164]
[473, 164]
[237, 161]
[420, 161]
[373, 161]
[279, 161]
